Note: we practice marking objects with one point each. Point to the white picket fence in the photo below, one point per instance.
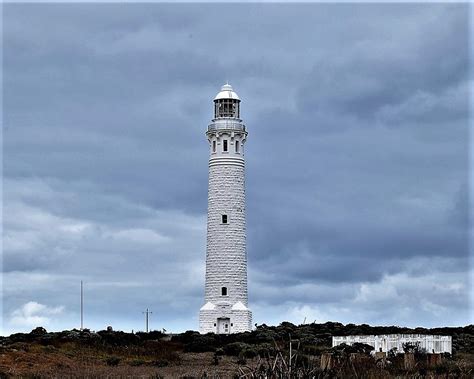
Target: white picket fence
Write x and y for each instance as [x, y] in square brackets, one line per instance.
[384, 343]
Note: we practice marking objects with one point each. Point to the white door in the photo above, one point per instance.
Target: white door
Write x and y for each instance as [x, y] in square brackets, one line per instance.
[223, 325]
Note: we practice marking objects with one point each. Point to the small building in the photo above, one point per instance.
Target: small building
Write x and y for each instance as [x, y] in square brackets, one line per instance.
[386, 342]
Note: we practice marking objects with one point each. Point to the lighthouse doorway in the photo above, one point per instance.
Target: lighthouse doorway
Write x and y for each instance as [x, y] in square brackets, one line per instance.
[223, 325]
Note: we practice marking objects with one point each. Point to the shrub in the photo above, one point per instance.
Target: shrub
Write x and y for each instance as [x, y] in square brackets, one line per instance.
[448, 367]
[313, 349]
[39, 331]
[112, 361]
[219, 351]
[186, 337]
[153, 335]
[392, 353]
[410, 347]
[362, 348]
[265, 335]
[356, 347]
[235, 348]
[249, 352]
[137, 362]
[265, 349]
[201, 344]
[215, 359]
[160, 363]
[117, 338]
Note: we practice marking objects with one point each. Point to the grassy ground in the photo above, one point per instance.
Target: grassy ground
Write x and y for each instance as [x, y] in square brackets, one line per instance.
[85, 365]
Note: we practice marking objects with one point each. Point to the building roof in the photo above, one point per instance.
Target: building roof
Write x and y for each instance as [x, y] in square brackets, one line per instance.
[239, 306]
[227, 92]
[208, 307]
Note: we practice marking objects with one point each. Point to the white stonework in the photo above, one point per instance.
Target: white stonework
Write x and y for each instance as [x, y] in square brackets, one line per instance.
[226, 304]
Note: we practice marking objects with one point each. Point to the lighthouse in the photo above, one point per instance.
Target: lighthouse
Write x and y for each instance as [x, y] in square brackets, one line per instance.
[225, 308]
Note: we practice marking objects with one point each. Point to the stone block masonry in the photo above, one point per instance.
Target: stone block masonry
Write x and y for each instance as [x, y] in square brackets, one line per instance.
[226, 298]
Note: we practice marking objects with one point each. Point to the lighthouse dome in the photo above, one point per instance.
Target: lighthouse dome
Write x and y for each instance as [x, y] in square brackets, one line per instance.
[227, 92]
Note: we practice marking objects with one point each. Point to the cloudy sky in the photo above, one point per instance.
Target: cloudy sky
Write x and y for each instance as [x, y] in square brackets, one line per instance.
[357, 161]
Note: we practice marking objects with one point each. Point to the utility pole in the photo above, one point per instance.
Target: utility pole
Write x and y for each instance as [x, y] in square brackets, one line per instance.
[82, 306]
[147, 313]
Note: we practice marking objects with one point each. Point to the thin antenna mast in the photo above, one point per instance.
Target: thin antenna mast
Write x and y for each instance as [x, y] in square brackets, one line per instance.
[82, 306]
[147, 313]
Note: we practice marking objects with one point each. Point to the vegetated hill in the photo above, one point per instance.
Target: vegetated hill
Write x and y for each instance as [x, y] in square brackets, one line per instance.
[320, 335]
[82, 353]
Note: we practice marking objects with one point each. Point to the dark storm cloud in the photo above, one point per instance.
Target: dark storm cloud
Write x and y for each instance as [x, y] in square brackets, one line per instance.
[357, 158]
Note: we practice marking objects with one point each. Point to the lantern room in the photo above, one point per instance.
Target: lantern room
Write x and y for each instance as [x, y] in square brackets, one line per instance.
[227, 103]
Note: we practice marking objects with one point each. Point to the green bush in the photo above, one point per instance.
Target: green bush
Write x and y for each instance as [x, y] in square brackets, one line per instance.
[249, 352]
[235, 348]
[265, 349]
[186, 337]
[201, 343]
[265, 335]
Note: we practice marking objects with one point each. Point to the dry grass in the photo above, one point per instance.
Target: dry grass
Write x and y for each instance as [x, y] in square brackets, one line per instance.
[71, 361]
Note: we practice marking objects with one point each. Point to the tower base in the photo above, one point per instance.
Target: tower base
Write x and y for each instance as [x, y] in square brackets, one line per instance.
[224, 318]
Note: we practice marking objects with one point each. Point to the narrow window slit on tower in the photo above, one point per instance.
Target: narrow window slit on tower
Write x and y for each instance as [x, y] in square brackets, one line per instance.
[237, 146]
[224, 291]
[225, 145]
[213, 146]
[224, 219]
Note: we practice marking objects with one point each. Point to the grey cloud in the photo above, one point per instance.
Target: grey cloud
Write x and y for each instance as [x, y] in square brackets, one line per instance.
[385, 69]
[357, 157]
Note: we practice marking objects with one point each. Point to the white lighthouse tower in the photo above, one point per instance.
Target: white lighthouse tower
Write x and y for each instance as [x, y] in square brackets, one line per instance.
[226, 304]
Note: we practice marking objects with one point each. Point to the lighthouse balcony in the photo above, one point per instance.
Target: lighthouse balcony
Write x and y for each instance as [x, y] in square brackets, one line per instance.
[226, 124]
